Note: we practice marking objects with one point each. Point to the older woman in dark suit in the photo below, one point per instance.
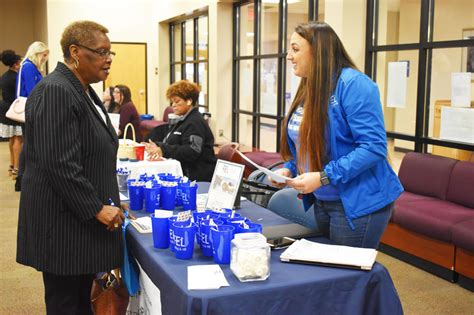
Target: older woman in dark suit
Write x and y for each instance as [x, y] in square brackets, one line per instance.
[67, 228]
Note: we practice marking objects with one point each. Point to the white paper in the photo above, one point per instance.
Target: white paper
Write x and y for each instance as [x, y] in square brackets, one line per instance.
[206, 277]
[142, 225]
[461, 89]
[457, 124]
[123, 197]
[115, 120]
[397, 84]
[331, 254]
[276, 177]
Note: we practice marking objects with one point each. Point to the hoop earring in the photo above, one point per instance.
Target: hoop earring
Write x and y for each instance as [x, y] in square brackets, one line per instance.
[76, 63]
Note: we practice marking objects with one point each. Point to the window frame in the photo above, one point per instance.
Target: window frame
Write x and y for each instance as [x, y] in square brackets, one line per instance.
[196, 61]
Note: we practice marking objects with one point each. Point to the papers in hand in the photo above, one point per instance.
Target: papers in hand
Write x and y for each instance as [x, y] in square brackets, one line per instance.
[206, 277]
[276, 177]
[304, 251]
[142, 225]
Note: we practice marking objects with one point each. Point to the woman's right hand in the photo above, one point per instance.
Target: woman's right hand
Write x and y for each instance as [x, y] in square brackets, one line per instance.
[283, 172]
[110, 216]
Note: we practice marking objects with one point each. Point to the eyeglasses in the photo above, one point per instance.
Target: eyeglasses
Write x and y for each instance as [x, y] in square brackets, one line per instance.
[104, 53]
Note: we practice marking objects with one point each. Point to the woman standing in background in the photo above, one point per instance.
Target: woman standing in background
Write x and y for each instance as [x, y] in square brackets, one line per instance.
[127, 110]
[32, 71]
[9, 128]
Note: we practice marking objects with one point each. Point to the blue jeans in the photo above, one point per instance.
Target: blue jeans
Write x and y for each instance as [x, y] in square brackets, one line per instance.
[332, 222]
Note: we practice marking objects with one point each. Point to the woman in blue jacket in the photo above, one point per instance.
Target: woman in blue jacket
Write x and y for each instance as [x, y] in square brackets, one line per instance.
[334, 141]
[31, 72]
[32, 67]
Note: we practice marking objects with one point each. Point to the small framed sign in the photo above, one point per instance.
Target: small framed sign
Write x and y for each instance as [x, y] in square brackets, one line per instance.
[224, 185]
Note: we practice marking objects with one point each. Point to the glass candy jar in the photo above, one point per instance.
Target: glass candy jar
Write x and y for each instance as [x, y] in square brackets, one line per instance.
[250, 257]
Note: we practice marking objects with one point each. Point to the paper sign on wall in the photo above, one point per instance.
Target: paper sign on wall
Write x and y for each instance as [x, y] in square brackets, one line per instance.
[461, 89]
[397, 84]
[457, 124]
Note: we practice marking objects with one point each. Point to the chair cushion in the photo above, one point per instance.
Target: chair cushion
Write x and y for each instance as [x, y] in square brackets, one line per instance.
[461, 184]
[426, 174]
[463, 235]
[407, 196]
[264, 158]
[433, 218]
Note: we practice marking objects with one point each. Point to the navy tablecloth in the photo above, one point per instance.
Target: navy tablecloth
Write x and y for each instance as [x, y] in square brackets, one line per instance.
[290, 289]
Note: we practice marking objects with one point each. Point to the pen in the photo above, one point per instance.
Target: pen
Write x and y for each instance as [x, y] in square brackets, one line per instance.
[113, 204]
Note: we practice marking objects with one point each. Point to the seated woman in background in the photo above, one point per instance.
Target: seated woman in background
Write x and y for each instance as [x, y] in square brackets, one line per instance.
[128, 112]
[190, 140]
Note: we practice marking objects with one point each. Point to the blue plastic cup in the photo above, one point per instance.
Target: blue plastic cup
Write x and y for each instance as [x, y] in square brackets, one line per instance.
[235, 222]
[188, 195]
[227, 216]
[221, 238]
[168, 197]
[251, 228]
[152, 198]
[172, 220]
[160, 228]
[135, 194]
[222, 211]
[184, 235]
[205, 236]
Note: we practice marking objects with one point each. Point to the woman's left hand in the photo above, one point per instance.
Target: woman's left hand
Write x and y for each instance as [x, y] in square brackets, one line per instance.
[154, 152]
[306, 183]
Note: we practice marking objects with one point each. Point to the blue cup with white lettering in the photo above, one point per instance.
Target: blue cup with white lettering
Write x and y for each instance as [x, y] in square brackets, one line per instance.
[172, 220]
[188, 196]
[135, 194]
[184, 235]
[205, 235]
[221, 237]
[160, 228]
[152, 198]
[168, 195]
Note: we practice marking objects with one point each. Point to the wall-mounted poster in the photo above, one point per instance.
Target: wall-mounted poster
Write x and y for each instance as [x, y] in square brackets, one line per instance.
[224, 185]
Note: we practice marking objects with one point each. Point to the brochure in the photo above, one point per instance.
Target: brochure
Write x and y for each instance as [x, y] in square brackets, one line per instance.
[276, 177]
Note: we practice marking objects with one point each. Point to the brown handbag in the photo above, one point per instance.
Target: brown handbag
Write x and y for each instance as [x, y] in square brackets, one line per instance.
[109, 295]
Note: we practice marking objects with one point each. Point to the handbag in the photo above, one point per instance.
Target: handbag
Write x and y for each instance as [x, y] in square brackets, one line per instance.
[109, 295]
[126, 148]
[16, 111]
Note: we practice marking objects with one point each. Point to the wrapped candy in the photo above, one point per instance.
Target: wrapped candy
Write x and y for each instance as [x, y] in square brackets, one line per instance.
[250, 257]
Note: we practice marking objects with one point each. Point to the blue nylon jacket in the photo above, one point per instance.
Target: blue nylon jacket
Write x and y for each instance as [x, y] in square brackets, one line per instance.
[358, 165]
[30, 76]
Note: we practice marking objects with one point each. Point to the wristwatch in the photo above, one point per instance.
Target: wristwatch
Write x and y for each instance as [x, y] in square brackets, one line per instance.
[324, 178]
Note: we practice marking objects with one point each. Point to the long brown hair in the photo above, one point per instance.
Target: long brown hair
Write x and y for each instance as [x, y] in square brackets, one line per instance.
[328, 59]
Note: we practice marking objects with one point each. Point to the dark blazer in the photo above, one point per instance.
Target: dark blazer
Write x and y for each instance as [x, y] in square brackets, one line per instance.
[69, 175]
[191, 142]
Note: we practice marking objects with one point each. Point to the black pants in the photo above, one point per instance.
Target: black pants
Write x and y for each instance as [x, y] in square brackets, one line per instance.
[67, 294]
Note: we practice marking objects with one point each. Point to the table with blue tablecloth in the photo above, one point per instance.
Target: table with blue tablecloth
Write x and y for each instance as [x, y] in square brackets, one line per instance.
[290, 289]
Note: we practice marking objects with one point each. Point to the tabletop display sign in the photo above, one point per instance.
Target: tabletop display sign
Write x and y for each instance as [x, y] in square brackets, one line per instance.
[224, 185]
